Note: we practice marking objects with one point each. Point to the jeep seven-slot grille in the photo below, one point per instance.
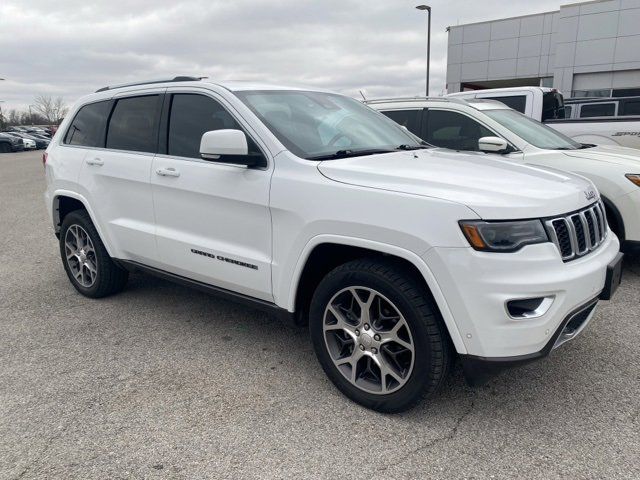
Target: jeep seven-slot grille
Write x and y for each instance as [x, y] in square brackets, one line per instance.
[578, 233]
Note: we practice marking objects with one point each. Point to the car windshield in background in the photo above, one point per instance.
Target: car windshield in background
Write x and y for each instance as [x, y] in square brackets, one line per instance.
[532, 131]
[319, 126]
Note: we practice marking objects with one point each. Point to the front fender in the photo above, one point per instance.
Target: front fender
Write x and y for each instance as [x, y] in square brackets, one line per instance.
[287, 298]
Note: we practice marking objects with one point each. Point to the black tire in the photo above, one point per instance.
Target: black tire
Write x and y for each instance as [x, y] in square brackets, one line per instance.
[5, 147]
[110, 278]
[432, 348]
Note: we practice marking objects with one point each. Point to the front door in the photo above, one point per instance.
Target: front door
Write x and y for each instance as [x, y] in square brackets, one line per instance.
[212, 220]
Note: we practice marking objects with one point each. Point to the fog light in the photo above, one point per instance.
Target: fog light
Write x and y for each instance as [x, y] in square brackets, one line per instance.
[529, 307]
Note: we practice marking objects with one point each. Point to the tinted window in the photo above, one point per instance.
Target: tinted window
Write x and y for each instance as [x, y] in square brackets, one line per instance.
[567, 111]
[552, 106]
[597, 110]
[87, 128]
[410, 119]
[191, 116]
[133, 124]
[631, 107]
[454, 130]
[517, 102]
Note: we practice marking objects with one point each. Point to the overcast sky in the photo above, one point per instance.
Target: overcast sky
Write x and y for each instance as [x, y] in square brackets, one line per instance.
[70, 48]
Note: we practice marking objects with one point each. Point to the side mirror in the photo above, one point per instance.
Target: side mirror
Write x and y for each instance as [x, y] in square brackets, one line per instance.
[229, 146]
[493, 145]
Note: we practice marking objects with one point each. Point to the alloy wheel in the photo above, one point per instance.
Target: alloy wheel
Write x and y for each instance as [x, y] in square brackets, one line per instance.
[368, 340]
[80, 255]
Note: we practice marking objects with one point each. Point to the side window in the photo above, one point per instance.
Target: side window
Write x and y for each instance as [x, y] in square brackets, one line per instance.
[517, 102]
[133, 124]
[598, 110]
[454, 130]
[567, 111]
[410, 119]
[87, 127]
[190, 116]
[631, 107]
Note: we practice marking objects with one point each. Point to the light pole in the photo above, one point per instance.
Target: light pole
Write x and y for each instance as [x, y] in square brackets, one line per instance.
[30, 115]
[428, 9]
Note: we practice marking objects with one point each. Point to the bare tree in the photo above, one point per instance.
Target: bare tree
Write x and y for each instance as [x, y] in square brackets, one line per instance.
[53, 109]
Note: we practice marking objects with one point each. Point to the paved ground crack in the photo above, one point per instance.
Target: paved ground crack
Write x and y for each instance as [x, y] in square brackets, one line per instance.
[443, 438]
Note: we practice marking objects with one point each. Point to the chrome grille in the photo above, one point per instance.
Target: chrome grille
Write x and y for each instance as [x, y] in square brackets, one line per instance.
[579, 233]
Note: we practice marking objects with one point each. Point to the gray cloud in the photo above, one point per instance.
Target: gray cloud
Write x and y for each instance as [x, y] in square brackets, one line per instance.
[70, 48]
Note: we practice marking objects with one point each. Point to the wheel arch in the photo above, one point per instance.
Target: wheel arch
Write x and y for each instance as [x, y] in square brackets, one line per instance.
[612, 210]
[325, 252]
[66, 201]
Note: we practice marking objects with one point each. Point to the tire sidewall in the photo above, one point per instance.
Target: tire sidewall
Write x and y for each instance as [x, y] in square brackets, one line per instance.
[80, 219]
[413, 389]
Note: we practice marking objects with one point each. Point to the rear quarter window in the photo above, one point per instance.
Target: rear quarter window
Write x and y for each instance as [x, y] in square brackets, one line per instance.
[517, 102]
[88, 126]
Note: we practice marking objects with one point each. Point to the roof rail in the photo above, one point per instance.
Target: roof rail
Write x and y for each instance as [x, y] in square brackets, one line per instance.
[406, 99]
[182, 78]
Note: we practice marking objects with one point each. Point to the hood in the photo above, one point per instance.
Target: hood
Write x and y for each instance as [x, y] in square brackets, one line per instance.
[492, 187]
[624, 156]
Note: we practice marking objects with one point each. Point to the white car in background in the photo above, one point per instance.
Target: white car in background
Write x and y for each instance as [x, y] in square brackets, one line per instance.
[488, 126]
[547, 105]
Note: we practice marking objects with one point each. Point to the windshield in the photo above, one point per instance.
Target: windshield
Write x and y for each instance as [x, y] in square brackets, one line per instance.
[532, 131]
[315, 125]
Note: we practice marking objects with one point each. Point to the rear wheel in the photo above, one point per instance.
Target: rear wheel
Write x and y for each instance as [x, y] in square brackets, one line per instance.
[378, 336]
[88, 265]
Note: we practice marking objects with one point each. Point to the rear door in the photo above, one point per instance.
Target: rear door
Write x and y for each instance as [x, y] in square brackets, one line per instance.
[116, 177]
[213, 220]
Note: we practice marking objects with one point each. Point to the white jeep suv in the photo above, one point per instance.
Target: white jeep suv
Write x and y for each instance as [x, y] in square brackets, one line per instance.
[310, 204]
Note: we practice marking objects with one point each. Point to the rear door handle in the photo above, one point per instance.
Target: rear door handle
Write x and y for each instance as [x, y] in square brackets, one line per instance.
[168, 172]
[95, 161]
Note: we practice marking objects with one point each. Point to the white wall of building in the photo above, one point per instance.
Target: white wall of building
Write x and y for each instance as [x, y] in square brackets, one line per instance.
[586, 46]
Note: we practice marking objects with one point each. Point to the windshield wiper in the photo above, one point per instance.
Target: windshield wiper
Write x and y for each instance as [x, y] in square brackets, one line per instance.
[349, 153]
[412, 147]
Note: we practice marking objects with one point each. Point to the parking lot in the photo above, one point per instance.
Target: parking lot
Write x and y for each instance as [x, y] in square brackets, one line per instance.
[162, 381]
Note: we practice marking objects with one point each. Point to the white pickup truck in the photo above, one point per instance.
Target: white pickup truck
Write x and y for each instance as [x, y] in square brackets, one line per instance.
[547, 105]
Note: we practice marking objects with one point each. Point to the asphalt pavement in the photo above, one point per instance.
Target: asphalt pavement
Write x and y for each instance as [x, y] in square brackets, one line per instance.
[165, 382]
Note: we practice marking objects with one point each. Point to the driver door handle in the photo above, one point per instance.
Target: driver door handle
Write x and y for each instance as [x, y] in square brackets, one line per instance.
[168, 172]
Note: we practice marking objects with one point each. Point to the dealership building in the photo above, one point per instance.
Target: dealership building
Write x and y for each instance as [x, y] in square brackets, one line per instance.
[582, 49]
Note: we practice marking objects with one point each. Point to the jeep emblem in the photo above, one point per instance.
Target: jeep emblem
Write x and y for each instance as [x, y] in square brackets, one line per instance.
[590, 194]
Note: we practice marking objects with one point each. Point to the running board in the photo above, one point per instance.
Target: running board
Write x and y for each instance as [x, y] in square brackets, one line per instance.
[230, 295]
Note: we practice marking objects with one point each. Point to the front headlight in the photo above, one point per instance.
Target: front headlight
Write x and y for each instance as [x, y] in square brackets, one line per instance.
[501, 236]
[634, 177]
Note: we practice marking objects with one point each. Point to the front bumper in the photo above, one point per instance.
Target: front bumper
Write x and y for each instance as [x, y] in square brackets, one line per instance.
[477, 286]
[478, 370]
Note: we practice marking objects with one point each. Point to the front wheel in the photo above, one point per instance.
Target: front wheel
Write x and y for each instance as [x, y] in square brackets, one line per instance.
[378, 336]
